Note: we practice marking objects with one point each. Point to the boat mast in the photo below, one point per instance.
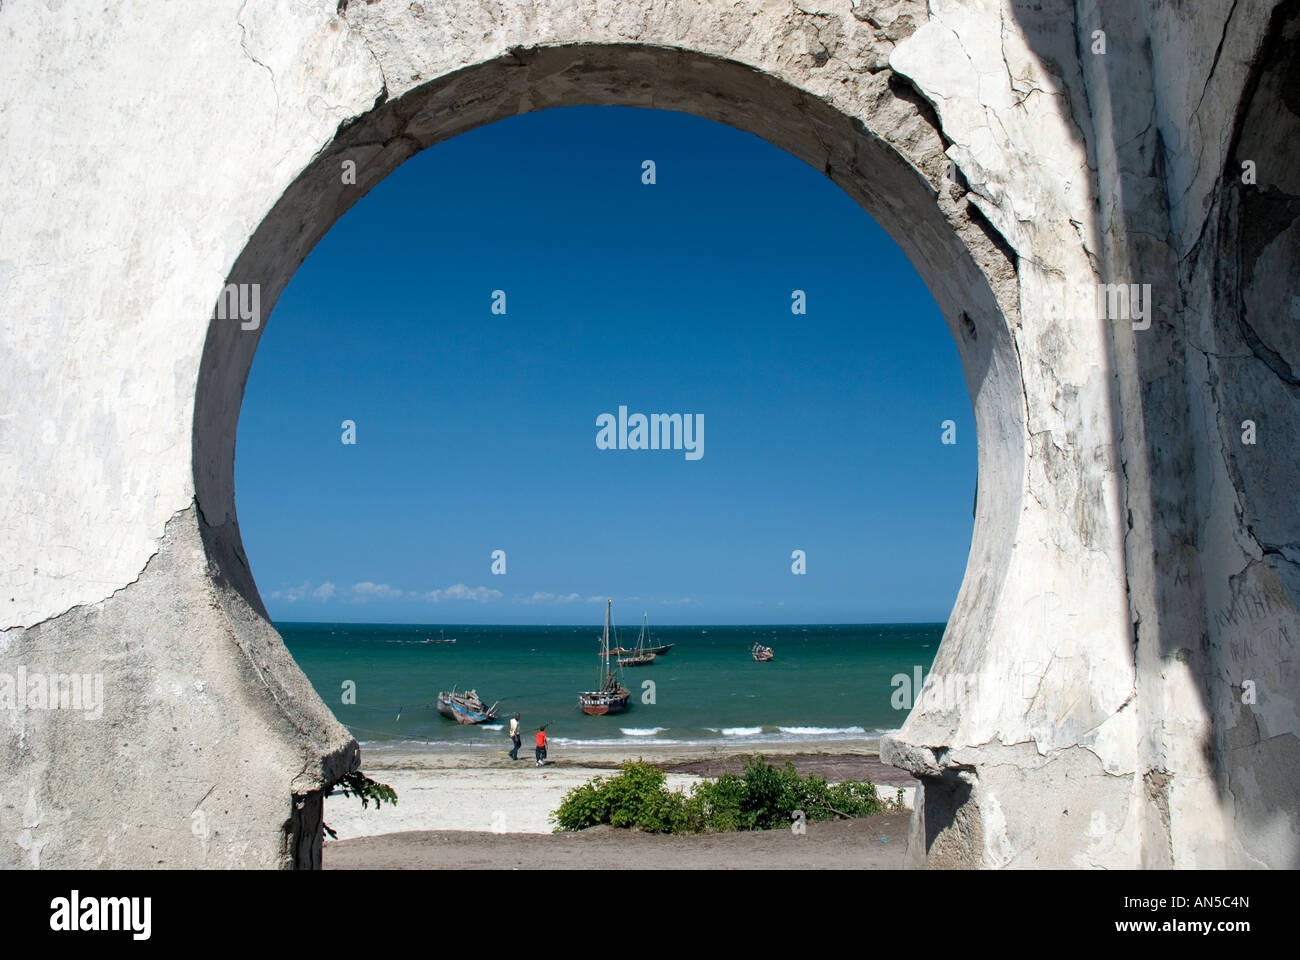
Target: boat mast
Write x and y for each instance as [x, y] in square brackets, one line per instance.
[604, 647]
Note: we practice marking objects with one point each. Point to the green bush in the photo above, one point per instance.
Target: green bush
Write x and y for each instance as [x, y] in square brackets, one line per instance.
[720, 805]
[636, 798]
[357, 784]
[763, 797]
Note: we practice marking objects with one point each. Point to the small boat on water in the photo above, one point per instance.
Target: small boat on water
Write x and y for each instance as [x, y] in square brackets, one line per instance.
[642, 659]
[442, 638]
[660, 650]
[611, 696]
[761, 654]
[465, 707]
[641, 656]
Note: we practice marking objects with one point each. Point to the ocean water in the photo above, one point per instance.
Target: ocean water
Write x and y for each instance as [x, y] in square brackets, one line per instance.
[827, 683]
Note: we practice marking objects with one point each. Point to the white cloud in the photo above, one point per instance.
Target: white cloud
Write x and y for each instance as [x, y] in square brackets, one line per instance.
[374, 591]
[367, 590]
[459, 592]
[293, 594]
[542, 596]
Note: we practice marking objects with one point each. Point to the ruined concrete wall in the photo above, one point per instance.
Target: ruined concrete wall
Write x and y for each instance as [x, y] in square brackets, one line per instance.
[166, 151]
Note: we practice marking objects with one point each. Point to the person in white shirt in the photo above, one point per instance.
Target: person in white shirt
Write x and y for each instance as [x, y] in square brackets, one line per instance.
[514, 737]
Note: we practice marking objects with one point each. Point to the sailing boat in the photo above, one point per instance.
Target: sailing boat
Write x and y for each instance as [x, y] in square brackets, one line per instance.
[640, 657]
[659, 651]
[612, 696]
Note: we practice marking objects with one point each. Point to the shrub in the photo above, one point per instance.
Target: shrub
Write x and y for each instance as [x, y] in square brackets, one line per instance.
[763, 797]
[718, 805]
[636, 798]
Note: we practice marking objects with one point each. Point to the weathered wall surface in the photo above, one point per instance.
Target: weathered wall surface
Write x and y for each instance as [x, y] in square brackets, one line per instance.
[1133, 564]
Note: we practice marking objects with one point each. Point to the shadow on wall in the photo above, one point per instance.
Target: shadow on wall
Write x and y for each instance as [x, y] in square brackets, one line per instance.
[1254, 375]
[1212, 546]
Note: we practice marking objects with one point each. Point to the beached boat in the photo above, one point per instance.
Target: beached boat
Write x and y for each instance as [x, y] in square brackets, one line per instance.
[611, 696]
[465, 707]
[641, 656]
[761, 653]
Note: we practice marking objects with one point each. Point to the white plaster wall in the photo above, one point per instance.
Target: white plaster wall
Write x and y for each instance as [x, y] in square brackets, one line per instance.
[146, 144]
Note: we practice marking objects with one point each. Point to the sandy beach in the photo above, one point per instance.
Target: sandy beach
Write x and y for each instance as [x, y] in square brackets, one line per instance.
[481, 809]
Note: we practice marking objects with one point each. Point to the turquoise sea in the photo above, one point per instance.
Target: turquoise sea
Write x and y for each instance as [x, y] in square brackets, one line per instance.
[827, 683]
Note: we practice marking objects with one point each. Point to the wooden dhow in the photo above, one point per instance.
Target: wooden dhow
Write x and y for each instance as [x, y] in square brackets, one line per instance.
[610, 696]
[641, 656]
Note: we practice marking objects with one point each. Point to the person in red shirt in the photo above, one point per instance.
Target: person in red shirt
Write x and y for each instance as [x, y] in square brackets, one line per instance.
[541, 745]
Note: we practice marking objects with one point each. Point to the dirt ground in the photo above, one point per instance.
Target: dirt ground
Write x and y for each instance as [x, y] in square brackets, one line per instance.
[870, 843]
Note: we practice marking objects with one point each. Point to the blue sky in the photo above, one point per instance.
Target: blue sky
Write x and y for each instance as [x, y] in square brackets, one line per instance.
[477, 432]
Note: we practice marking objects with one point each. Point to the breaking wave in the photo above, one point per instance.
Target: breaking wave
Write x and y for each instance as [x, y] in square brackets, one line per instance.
[820, 731]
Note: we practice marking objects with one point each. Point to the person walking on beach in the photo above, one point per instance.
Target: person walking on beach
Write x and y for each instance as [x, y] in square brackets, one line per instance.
[514, 737]
[541, 746]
